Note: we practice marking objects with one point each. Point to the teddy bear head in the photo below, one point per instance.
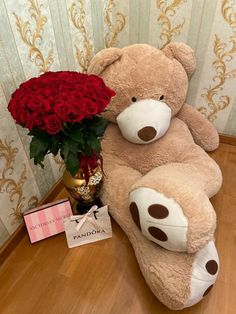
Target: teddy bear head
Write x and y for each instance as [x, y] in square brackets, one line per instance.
[150, 85]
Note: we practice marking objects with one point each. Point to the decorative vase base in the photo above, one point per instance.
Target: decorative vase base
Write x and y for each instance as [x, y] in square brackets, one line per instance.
[84, 193]
[82, 208]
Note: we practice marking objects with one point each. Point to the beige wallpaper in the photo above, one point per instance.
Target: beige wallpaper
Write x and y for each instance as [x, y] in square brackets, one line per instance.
[41, 35]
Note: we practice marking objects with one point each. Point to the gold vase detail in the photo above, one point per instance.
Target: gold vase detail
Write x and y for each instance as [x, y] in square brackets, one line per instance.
[85, 193]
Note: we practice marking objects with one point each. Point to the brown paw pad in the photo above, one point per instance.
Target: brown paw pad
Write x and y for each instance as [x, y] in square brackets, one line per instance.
[158, 234]
[135, 214]
[207, 290]
[212, 267]
[158, 211]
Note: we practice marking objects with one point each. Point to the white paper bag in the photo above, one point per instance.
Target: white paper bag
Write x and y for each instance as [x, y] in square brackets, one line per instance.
[95, 225]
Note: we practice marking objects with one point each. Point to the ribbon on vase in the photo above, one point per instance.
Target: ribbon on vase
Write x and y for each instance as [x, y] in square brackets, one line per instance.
[89, 216]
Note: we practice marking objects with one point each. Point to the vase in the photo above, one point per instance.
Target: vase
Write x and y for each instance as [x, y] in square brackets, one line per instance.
[85, 193]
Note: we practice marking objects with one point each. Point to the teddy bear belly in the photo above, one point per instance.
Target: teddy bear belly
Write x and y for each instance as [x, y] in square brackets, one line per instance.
[169, 148]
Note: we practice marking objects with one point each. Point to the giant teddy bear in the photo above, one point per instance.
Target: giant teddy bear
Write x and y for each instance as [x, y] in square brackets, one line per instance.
[158, 177]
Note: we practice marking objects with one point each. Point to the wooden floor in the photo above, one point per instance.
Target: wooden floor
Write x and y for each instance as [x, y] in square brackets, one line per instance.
[104, 277]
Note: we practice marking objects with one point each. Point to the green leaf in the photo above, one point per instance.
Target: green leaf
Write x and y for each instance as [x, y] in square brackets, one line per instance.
[77, 136]
[87, 151]
[69, 145]
[72, 163]
[38, 149]
[98, 126]
[65, 150]
[54, 147]
[94, 143]
[73, 146]
[38, 160]
[39, 134]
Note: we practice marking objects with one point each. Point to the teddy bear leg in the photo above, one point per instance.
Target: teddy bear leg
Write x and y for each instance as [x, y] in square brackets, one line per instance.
[116, 187]
[178, 280]
[172, 204]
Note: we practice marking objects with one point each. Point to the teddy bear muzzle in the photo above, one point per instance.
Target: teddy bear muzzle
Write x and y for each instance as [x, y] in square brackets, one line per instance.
[144, 121]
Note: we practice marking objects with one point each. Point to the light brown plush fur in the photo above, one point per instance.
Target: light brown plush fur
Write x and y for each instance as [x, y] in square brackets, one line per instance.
[175, 165]
[167, 273]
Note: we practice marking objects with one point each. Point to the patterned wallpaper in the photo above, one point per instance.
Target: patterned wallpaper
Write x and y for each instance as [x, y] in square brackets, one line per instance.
[41, 35]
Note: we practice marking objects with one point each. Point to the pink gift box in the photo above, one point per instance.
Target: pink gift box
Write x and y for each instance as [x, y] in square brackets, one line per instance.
[47, 220]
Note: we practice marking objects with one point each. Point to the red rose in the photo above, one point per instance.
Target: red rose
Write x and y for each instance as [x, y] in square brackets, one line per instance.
[95, 82]
[103, 100]
[109, 91]
[78, 95]
[64, 96]
[47, 91]
[63, 110]
[79, 111]
[34, 105]
[28, 83]
[52, 124]
[91, 107]
[29, 121]
[13, 109]
[39, 122]
[47, 105]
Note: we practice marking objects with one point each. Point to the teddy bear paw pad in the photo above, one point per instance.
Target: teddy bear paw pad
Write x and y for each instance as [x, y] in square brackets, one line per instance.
[204, 273]
[159, 218]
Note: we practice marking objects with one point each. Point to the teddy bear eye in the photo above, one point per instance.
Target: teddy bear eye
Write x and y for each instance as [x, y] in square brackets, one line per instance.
[161, 97]
[134, 99]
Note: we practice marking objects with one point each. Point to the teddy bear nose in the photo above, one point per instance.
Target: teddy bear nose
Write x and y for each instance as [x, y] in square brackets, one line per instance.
[147, 133]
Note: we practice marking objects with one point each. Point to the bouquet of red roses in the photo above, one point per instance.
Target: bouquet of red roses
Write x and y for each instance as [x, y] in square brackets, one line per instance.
[61, 110]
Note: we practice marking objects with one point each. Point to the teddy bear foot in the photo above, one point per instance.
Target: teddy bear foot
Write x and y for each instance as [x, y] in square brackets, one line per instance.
[162, 220]
[204, 273]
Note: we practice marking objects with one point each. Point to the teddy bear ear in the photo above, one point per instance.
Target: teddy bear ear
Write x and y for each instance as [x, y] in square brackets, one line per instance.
[103, 59]
[184, 54]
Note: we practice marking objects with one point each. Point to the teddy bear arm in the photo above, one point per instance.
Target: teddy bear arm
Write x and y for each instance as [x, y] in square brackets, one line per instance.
[202, 130]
